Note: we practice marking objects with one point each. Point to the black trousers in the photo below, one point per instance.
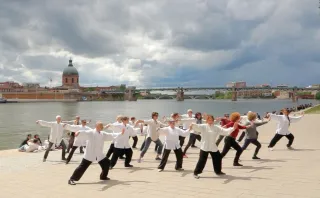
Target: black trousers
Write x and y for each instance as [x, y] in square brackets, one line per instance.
[254, 142]
[73, 149]
[104, 164]
[63, 150]
[117, 152]
[216, 161]
[192, 138]
[181, 139]
[277, 137]
[165, 156]
[220, 138]
[71, 141]
[244, 134]
[135, 141]
[228, 143]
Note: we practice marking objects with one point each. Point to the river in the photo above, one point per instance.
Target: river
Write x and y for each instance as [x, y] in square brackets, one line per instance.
[18, 119]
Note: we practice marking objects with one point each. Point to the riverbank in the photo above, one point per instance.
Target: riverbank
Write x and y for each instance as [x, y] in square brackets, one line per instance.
[39, 100]
[282, 172]
[313, 110]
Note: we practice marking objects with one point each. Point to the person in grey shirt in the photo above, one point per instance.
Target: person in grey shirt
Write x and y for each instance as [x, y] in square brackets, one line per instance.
[251, 133]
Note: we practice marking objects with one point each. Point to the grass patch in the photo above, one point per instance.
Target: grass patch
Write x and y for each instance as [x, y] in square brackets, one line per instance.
[313, 110]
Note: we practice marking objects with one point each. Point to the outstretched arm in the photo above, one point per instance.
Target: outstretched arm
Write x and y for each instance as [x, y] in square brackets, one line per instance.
[296, 118]
[44, 123]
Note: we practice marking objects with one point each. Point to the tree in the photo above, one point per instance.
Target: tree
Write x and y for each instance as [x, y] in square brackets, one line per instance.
[318, 95]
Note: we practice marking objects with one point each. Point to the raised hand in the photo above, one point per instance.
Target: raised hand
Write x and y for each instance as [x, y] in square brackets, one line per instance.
[37, 122]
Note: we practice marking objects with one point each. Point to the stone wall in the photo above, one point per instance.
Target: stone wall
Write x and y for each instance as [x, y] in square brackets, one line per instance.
[29, 95]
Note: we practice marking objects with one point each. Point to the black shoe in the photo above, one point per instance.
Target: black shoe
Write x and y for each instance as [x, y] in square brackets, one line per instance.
[71, 182]
[196, 176]
[194, 146]
[237, 164]
[105, 179]
[179, 169]
[220, 174]
[128, 166]
[67, 161]
[255, 157]
[158, 158]
[121, 157]
[63, 159]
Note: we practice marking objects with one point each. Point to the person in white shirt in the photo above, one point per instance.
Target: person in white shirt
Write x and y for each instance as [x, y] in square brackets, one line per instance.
[194, 135]
[152, 135]
[209, 133]
[115, 129]
[137, 129]
[284, 122]
[172, 142]
[55, 135]
[121, 143]
[243, 120]
[77, 141]
[94, 152]
[71, 138]
[186, 123]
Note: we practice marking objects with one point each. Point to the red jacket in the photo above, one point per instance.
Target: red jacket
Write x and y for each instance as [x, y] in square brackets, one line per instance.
[234, 134]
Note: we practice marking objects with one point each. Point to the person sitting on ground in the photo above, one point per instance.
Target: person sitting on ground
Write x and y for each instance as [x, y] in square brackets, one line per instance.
[31, 146]
[36, 136]
[24, 142]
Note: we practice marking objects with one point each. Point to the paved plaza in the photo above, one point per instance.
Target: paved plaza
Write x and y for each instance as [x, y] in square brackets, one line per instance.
[280, 173]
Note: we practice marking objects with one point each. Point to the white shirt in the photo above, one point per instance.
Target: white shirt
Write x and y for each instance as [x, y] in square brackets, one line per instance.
[122, 140]
[187, 121]
[209, 135]
[153, 126]
[171, 140]
[78, 141]
[283, 123]
[56, 130]
[95, 144]
[31, 147]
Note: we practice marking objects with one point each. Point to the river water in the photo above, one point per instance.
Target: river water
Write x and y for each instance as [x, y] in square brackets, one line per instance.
[18, 119]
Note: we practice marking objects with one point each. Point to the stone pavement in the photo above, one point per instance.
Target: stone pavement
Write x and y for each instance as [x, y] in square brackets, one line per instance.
[281, 173]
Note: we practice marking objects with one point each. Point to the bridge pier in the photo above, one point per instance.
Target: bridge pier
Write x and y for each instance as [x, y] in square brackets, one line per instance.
[234, 94]
[294, 96]
[180, 94]
[129, 95]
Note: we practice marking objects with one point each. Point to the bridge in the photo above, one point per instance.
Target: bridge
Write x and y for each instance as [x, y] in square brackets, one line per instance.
[164, 96]
[181, 90]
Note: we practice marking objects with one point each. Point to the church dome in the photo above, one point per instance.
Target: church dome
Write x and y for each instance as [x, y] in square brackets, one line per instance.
[70, 70]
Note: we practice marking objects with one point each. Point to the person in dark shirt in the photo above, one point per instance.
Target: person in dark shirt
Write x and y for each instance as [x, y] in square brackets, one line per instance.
[230, 141]
[36, 136]
[26, 140]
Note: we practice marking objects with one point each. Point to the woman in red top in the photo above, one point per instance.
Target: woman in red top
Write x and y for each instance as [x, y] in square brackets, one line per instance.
[230, 141]
[223, 121]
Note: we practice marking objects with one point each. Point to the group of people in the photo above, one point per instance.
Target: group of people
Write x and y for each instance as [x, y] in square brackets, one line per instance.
[31, 144]
[205, 128]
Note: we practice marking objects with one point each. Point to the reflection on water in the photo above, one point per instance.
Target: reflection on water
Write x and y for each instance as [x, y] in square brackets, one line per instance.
[17, 120]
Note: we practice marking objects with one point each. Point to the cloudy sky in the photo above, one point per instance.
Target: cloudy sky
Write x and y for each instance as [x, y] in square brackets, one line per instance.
[161, 43]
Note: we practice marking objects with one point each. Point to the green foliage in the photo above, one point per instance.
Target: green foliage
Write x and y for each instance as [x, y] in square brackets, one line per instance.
[223, 95]
[303, 93]
[313, 110]
[89, 89]
[123, 87]
[318, 96]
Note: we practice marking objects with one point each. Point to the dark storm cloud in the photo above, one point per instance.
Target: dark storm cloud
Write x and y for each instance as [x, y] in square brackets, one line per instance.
[152, 42]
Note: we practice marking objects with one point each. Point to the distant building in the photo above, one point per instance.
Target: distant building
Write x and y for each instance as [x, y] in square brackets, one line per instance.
[282, 86]
[240, 84]
[70, 76]
[10, 86]
[31, 85]
[315, 86]
[263, 85]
